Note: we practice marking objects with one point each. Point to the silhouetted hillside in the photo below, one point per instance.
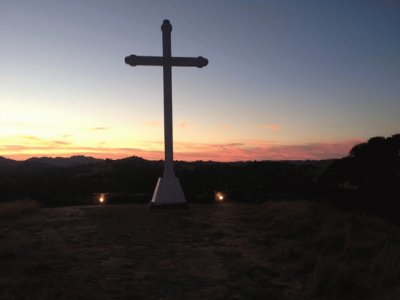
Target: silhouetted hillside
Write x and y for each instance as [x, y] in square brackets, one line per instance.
[64, 161]
[64, 181]
[366, 180]
[5, 162]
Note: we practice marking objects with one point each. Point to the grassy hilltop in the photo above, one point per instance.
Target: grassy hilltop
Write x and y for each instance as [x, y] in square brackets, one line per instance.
[274, 250]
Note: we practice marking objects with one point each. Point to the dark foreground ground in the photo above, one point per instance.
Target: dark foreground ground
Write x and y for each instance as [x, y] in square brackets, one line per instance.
[282, 250]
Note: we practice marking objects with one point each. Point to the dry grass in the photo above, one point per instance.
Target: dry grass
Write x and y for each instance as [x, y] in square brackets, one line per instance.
[276, 250]
[12, 209]
[330, 254]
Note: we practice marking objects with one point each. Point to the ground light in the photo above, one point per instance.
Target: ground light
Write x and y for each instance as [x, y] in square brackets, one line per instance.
[100, 198]
[220, 196]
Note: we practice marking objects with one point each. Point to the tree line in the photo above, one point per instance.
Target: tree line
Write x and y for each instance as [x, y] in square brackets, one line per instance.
[366, 179]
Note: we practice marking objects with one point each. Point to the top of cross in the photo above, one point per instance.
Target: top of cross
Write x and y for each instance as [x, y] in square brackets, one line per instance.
[166, 60]
[166, 26]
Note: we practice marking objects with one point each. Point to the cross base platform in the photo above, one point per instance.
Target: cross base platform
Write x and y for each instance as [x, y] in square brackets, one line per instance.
[168, 193]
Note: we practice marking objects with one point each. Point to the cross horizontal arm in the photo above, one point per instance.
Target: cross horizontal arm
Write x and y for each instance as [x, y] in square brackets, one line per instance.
[135, 60]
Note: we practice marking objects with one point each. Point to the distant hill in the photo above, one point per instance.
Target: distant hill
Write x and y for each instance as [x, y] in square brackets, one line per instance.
[365, 181]
[69, 181]
[75, 180]
[5, 162]
[65, 161]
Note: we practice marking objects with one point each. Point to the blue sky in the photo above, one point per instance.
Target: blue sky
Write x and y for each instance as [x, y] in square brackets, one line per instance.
[285, 80]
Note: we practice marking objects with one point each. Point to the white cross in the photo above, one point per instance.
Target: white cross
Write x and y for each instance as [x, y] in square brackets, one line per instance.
[168, 189]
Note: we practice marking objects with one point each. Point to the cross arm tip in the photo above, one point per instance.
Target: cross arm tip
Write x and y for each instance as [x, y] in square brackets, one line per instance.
[131, 60]
[201, 62]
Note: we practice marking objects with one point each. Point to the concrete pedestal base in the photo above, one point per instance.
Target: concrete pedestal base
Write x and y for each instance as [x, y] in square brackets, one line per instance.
[168, 192]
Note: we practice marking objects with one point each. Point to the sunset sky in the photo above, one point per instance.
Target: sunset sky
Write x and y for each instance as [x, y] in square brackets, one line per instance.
[285, 80]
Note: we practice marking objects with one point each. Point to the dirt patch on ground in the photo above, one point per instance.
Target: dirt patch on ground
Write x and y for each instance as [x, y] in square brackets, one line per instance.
[225, 251]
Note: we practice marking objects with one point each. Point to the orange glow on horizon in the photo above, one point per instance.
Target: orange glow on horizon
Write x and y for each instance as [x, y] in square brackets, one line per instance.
[242, 151]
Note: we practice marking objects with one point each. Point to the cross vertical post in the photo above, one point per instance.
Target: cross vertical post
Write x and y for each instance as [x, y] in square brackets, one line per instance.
[168, 128]
[168, 190]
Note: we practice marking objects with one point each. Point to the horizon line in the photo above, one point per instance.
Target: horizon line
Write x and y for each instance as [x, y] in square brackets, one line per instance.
[157, 160]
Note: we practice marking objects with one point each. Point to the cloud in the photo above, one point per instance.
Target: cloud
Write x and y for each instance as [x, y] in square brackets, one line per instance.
[30, 138]
[28, 144]
[41, 141]
[263, 150]
[12, 148]
[270, 126]
[24, 152]
[99, 128]
[60, 143]
[312, 151]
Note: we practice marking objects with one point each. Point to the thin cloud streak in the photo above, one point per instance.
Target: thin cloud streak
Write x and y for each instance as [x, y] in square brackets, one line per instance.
[20, 152]
[99, 128]
[37, 140]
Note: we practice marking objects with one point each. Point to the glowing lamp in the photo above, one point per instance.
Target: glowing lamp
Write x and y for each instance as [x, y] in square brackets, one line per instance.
[220, 196]
[100, 198]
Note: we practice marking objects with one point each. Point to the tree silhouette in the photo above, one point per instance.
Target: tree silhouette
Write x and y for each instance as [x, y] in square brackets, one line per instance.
[369, 166]
[370, 175]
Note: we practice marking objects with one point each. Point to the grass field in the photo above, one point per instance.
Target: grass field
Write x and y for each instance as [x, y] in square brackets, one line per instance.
[276, 250]
[18, 208]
